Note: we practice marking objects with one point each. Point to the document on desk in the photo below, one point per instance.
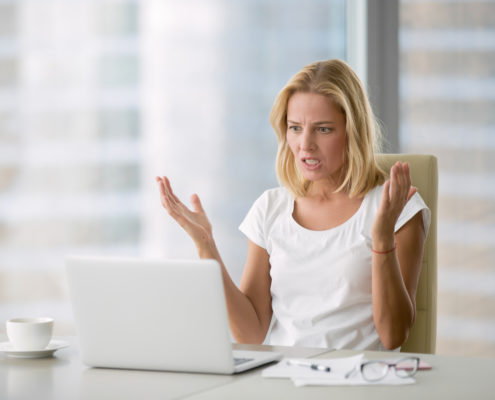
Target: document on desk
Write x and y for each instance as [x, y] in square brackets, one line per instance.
[328, 372]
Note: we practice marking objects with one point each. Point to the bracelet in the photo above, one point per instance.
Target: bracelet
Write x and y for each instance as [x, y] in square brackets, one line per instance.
[385, 252]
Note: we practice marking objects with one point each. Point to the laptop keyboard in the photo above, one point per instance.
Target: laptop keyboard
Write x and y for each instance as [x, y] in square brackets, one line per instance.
[239, 361]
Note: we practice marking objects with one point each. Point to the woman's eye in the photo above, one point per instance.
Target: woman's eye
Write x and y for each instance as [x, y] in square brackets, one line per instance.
[294, 128]
[325, 129]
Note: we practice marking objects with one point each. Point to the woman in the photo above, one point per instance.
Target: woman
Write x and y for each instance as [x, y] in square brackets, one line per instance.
[334, 255]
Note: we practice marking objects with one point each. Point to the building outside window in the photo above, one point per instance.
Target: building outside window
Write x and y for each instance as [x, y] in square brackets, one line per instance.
[99, 97]
[447, 70]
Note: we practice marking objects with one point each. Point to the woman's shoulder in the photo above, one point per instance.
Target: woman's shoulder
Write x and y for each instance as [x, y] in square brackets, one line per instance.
[373, 197]
[413, 206]
[274, 200]
[274, 195]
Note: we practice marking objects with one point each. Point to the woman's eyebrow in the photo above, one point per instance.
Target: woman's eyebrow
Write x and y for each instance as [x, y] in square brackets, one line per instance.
[314, 123]
[323, 123]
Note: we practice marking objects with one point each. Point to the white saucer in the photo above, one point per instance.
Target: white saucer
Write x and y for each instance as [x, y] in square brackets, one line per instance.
[53, 346]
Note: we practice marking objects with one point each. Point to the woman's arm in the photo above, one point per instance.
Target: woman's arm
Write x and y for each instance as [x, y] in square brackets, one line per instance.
[249, 309]
[395, 274]
[394, 279]
[255, 284]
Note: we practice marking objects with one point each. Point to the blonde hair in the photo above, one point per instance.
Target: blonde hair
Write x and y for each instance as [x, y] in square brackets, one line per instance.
[334, 79]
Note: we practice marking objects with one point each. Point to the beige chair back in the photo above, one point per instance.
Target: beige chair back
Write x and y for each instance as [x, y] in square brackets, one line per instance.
[424, 175]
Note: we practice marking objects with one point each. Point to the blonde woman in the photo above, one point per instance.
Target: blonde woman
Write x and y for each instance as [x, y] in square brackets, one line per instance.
[334, 254]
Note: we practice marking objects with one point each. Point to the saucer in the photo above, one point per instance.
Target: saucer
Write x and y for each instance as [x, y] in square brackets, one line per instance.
[53, 346]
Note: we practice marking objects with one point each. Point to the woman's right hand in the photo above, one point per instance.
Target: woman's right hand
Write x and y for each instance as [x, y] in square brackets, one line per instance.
[194, 222]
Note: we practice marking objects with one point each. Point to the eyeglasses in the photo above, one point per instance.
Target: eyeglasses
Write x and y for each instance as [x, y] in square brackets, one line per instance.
[376, 370]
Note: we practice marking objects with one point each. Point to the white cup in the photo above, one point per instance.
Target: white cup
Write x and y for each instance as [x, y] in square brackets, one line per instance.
[27, 334]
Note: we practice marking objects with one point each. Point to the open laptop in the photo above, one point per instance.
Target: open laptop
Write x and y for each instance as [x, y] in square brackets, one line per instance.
[155, 315]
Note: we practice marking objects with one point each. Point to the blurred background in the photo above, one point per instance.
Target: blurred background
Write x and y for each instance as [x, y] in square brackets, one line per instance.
[97, 97]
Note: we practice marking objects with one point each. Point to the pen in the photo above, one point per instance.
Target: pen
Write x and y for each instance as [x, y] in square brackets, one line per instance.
[316, 367]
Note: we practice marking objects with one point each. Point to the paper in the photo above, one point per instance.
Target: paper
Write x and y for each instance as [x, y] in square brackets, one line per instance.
[339, 368]
[344, 371]
[356, 380]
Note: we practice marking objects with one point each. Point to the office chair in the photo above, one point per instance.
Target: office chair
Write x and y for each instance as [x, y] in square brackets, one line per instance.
[424, 175]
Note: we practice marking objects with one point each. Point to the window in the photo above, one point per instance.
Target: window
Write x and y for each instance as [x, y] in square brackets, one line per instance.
[99, 97]
[447, 109]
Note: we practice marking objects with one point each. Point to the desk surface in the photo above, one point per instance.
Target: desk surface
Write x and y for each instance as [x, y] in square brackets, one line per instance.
[65, 377]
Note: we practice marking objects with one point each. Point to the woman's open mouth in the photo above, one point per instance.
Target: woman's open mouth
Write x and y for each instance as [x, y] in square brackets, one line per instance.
[311, 163]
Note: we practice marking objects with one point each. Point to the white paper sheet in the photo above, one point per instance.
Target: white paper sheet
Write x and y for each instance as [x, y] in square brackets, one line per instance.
[340, 367]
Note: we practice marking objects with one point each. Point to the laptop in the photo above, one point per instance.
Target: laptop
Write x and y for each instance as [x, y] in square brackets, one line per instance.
[167, 315]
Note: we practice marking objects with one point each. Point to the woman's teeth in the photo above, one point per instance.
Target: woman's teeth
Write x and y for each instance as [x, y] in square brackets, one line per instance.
[311, 161]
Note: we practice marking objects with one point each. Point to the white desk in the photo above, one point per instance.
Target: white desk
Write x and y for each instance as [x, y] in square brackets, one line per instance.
[65, 377]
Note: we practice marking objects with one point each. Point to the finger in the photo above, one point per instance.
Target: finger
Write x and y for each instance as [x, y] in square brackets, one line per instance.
[161, 188]
[168, 202]
[401, 176]
[165, 198]
[172, 204]
[170, 192]
[412, 191]
[196, 203]
[386, 192]
[394, 184]
[401, 182]
[406, 175]
[408, 182]
[159, 180]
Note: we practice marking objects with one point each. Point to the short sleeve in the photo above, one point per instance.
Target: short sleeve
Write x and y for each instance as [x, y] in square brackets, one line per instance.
[412, 207]
[253, 225]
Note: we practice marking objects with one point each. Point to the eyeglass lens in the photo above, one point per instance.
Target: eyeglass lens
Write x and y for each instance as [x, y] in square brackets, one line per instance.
[407, 367]
[376, 370]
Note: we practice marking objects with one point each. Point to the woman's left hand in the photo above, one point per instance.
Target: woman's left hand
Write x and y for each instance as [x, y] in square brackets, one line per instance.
[397, 190]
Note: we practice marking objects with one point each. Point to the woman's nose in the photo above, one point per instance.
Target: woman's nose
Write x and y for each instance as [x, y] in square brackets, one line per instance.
[307, 140]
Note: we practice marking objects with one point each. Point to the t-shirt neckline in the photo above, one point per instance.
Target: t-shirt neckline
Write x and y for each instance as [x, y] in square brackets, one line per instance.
[292, 202]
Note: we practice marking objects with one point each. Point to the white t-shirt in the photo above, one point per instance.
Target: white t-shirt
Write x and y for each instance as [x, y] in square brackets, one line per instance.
[321, 280]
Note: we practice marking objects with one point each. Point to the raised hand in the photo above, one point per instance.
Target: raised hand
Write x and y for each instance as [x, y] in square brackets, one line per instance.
[397, 190]
[194, 222]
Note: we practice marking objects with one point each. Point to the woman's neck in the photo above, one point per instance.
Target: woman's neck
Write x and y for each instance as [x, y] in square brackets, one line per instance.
[324, 190]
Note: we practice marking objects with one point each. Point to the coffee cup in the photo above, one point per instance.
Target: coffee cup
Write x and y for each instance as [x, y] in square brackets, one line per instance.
[28, 334]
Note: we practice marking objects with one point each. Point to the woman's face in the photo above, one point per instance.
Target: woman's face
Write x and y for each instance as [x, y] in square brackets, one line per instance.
[316, 135]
